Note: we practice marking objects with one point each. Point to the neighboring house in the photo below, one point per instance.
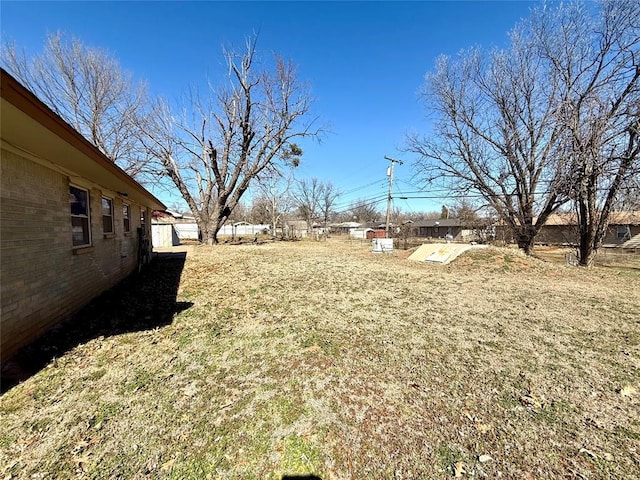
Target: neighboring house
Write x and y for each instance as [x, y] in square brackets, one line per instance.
[440, 228]
[562, 228]
[344, 228]
[72, 224]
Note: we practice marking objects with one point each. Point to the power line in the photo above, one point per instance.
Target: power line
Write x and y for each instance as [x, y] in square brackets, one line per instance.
[367, 203]
[341, 208]
[358, 201]
[379, 181]
[401, 197]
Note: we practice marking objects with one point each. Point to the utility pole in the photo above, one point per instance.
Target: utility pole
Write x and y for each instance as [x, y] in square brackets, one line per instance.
[390, 175]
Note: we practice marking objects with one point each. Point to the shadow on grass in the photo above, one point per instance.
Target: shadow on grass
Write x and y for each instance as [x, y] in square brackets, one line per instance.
[140, 302]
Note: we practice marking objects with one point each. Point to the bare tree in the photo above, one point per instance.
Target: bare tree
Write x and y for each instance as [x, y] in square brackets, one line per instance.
[88, 88]
[477, 218]
[629, 195]
[330, 195]
[496, 132]
[275, 197]
[314, 200]
[418, 216]
[219, 145]
[241, 213]
[464, 209]
[308, 197]
[596, 58]
[554, 118]
[260, 211]
[364, 211]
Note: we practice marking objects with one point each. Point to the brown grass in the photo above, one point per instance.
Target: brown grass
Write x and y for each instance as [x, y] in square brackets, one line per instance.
[606, 257]
[323, 358]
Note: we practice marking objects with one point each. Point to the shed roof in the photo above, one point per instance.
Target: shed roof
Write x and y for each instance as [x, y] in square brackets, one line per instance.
[31, 126]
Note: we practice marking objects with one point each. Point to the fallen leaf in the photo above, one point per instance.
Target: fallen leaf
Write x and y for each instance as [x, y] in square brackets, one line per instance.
[588, 452]
[608, 457]
[459, 469]
[484, 427]
[531, 401]
[628, 391]
[28, 441]
[167, 465]
[190, 390]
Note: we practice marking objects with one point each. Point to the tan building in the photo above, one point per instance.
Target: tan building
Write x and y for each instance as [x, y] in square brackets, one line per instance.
[623, 230]
[72, 224]
[562, 228]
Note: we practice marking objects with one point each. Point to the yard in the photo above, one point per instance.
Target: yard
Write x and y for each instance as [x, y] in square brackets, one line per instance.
[321, 358]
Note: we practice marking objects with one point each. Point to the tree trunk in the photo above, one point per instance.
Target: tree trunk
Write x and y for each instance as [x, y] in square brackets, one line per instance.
[526, 239]
[586, 227]
[213, 234]
[218, 223]
[586, 254]
[208, 232]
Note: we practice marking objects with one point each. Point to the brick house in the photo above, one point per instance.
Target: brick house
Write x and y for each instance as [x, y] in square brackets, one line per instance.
[562, 228]
[72, 223]
[441, 227]
[623, 230]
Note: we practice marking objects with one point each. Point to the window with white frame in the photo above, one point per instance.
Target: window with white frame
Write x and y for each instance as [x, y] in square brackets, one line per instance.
[107, 215]
[126, 218]
[80, 221]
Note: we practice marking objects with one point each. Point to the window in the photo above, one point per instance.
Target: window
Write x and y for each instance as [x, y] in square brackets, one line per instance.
[624, 232]
[79, 205]
[126, 219]
[107, 215]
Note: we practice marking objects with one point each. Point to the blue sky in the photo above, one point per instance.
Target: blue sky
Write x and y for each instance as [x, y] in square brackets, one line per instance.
[365, 62]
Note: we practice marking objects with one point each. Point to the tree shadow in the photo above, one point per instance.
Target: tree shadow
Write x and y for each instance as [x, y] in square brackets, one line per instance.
[140, 302]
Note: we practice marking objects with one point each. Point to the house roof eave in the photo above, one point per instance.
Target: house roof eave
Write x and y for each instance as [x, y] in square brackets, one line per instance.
[25, 117]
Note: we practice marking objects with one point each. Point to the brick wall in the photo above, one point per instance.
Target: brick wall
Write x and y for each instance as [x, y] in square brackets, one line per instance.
[43, 278]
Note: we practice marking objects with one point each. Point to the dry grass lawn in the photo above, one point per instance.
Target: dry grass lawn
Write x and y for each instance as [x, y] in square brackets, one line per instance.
[325, 359]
